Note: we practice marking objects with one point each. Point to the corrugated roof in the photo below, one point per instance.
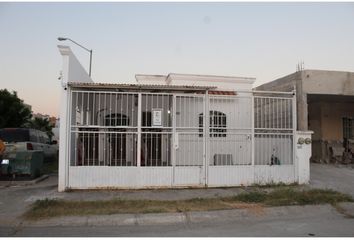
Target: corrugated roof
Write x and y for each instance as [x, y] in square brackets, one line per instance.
[222, 93]
[138, 86]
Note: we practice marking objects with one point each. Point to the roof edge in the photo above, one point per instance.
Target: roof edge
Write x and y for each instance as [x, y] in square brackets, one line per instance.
[138, 86]
[209, 78]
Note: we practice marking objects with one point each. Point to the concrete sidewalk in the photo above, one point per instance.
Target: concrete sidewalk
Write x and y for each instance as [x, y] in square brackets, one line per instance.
[301, 221]
[192, 217]
[15, 200]
[336, 177]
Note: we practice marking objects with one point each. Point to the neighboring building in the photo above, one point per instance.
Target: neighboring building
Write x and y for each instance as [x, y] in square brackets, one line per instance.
[175, 130]
[52, 120]
[325, 105]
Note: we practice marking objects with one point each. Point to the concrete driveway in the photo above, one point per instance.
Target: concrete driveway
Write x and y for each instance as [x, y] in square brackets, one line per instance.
[336, 177]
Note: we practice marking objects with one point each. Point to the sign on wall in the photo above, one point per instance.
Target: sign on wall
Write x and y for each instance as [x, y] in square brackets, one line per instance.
[157, 117]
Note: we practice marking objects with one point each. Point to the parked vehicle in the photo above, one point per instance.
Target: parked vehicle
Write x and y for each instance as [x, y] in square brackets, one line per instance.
[21, 164]
[22, 139]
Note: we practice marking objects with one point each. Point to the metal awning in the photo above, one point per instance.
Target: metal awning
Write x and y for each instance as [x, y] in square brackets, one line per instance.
[139, 86]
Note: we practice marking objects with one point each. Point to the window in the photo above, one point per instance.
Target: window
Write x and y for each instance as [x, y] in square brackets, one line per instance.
[348, 132]
[117, 119]
[217, 124]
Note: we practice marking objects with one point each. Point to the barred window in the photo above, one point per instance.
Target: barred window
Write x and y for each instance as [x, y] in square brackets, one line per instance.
[348, 128]
[117, 119]
[217, 126]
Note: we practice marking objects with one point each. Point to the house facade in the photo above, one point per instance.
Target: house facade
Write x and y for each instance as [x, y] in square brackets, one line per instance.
[176, 130]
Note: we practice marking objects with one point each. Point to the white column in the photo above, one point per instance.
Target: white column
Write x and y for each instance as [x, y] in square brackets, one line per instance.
[174, 138]
[294, 120]
[63, 130]
[206, 137]
[303, 155]
[253, 140]
[72, 71]
[138, 162]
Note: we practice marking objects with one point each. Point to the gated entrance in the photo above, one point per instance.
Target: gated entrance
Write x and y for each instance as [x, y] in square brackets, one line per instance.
[189, 141]
[137, 139]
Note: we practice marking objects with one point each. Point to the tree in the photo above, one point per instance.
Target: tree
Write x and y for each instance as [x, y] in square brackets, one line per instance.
[13, 112]
[43, 125]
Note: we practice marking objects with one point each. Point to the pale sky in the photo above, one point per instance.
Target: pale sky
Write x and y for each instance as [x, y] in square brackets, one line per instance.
[262, 40]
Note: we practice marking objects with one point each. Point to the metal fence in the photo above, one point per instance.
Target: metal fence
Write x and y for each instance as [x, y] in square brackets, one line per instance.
[197, 136]
[274, 130]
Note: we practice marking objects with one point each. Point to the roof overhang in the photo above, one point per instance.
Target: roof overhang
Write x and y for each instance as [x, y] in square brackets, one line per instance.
[127, 86]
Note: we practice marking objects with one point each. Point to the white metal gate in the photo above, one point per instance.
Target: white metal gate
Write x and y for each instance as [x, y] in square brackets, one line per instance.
[230, 140]
[137, 140]
[189, 140]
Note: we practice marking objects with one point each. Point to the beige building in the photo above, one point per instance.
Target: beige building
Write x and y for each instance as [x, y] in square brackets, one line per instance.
[325, 105]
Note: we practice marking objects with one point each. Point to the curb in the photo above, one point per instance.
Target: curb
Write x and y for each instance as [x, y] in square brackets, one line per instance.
[180, 218]
[40, 179]
[346, 208]
[24, 183]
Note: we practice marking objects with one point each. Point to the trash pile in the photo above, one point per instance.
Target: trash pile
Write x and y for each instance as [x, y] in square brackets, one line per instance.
[341, 153]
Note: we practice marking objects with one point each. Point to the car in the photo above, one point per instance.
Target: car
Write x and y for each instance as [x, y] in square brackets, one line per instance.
[22, 139]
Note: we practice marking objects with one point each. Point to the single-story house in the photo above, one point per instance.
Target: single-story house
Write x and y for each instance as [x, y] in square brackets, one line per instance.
[176, 130]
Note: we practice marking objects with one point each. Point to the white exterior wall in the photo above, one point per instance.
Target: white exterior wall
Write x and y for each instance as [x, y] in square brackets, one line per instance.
[72, 72]
[221, 82]
[303, 155]
[151, 79]
[189, 165]
[192, 155]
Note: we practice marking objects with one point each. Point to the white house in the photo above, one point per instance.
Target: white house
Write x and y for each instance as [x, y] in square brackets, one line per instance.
[178, 130]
